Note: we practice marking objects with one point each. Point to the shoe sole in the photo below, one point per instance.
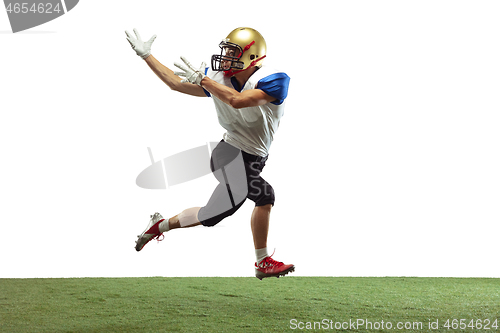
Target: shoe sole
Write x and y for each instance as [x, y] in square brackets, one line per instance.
[260, 275]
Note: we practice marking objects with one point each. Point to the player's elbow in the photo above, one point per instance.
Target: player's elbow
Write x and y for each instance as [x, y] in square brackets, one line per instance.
[238, 102]
[249, 99]
[235, 103]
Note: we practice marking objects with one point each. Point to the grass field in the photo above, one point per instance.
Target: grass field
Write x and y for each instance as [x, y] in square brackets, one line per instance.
[287, 304]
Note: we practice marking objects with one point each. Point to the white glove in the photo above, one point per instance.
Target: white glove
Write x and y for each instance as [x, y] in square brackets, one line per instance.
[143, 49]
[190, 73]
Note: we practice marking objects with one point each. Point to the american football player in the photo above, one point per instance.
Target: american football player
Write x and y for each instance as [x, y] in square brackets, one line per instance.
[249, 100]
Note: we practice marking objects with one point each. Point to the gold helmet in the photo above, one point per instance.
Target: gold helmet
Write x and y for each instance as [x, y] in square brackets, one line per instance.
[242, 49]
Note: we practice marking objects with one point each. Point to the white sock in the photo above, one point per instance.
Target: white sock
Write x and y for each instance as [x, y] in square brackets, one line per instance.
[164, 226]
[261, 254]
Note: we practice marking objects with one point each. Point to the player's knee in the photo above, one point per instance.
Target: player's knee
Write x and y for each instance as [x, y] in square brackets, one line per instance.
[208, 219]
[265, 196]
[210, 222]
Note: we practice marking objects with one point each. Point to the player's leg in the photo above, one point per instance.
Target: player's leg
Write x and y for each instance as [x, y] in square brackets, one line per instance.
[187, 218]
[228, 167]
[262, 193]
[260, 225]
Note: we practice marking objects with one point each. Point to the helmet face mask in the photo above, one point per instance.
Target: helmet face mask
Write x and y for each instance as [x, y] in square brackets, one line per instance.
[228, 58]
[242, 49]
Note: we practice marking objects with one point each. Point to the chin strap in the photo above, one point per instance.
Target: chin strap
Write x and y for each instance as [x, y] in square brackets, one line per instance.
[231, 72]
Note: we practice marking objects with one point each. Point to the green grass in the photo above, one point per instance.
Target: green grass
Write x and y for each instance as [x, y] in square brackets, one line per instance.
[240, 304]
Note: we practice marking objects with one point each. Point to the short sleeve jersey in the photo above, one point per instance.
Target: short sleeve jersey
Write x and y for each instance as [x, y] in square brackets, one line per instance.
[252, 129]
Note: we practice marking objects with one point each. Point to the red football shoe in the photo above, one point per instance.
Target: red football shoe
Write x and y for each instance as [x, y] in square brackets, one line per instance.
[269, 267]
[152, 232]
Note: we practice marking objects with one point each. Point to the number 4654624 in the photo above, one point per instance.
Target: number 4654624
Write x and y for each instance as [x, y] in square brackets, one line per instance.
[477, 324]
[41, 7]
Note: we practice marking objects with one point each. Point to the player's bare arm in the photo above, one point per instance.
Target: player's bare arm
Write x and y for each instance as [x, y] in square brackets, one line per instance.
[174, 82]
[238, 100]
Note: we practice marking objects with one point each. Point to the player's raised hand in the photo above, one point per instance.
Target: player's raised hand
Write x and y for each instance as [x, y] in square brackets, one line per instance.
[143, 49]
[191, 74]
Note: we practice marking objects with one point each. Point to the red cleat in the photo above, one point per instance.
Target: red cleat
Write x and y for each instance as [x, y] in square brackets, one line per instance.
[152, 232]
[269, 267]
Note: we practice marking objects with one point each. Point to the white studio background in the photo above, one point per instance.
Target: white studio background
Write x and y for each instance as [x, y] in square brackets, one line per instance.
[386, 162]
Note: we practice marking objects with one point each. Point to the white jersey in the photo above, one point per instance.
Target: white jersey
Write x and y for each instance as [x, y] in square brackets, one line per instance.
[252, 129]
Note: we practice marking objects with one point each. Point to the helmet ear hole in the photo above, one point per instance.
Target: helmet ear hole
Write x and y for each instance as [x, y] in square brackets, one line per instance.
[252, 56]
